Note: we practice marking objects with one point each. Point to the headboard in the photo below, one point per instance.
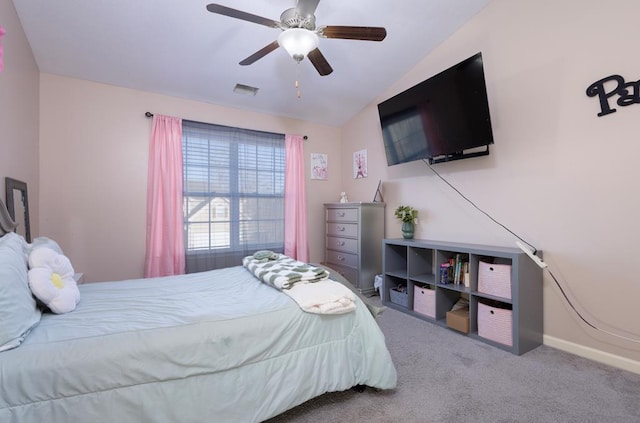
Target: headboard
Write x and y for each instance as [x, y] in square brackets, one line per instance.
[6, 223]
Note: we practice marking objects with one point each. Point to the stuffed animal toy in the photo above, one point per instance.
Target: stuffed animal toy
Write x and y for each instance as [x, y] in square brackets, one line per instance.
[51, 280]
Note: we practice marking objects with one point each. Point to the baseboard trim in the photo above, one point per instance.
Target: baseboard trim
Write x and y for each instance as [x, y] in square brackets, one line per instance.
[593, 354]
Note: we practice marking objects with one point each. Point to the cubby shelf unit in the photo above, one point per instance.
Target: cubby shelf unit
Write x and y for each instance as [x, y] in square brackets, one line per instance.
[414, 262]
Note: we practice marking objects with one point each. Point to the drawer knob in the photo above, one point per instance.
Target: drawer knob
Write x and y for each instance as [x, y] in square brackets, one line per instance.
[341, 214]
[341, 228]
[340, 243]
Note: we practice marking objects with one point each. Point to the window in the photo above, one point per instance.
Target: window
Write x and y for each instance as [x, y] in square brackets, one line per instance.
[233, 192]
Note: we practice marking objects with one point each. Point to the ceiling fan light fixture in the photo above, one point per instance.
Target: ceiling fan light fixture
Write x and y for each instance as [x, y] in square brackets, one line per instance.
[298, 42]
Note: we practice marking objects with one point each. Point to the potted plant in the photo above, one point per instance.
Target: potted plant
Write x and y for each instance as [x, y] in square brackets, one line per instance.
[409, 217]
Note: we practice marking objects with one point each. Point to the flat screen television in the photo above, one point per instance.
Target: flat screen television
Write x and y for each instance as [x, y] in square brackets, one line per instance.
[443, 118]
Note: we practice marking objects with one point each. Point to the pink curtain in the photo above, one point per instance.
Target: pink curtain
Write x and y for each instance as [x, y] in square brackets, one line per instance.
[2, 32]
[165, 228]
[295, 201]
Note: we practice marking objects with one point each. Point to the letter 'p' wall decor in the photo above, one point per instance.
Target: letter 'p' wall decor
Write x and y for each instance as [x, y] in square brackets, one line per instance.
[627, 92]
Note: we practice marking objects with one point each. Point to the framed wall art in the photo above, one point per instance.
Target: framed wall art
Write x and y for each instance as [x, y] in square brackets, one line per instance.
[360, 164]
[319, 166]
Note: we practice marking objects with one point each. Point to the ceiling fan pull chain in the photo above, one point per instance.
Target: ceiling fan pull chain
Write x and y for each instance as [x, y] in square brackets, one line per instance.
[297, 79]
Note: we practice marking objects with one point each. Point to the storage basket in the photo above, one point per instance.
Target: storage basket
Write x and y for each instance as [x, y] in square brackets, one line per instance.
[495, 324]
[399, 296]
[494, 279]
[424, 301]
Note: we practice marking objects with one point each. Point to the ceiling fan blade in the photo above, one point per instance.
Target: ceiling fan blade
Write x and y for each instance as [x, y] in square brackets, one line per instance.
[307, 7]
[367, 33]
[260, 53]
[319, 62]
[234, 13]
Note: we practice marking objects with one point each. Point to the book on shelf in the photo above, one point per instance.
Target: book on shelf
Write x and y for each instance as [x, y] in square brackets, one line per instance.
[444, 273]
[466, 277]
[461, 270]
[456, 279]
[455, 271]
[452, 270]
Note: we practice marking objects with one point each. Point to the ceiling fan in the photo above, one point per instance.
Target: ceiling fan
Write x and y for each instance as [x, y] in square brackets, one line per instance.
[299, 34]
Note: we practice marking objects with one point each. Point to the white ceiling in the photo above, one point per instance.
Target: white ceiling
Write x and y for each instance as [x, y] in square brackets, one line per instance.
[178, 48]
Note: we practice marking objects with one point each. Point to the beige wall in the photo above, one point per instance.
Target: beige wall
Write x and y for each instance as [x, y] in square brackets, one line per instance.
[94, 148]
[558, 176]
[18, 110]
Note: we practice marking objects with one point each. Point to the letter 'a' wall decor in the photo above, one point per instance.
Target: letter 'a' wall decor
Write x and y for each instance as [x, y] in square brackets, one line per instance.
[628, 92]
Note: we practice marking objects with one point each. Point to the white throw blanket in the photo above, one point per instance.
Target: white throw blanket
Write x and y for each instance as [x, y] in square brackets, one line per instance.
[323, 297]
[307, 285]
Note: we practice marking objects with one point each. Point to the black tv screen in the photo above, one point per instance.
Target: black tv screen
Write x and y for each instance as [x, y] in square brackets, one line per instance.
[441, 118]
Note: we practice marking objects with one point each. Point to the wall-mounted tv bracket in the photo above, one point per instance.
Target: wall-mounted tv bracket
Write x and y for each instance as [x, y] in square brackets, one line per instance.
[458, 156]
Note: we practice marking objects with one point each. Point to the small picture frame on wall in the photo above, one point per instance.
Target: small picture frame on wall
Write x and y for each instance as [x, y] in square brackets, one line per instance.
[319, 170]
[360, 164]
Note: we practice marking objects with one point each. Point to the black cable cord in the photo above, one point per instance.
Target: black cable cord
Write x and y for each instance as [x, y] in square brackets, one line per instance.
[534, 253]
[479, 209]
[571, 304]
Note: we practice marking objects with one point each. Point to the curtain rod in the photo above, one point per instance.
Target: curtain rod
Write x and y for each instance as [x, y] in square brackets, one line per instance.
[150, 115]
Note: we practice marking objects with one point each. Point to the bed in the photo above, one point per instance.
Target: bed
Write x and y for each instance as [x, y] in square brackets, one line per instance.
[217, 346]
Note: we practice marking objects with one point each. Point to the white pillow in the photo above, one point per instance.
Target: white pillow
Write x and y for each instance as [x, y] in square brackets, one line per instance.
[51, 280]
[43, 241]
[18, 311]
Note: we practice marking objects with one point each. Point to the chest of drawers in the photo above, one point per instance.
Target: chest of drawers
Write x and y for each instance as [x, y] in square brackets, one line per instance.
[353, 242]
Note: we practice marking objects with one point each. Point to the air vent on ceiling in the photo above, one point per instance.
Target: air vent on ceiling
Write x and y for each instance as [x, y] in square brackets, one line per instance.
[245, 89]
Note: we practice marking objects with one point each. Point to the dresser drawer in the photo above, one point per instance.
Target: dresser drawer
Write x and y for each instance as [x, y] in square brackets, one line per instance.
[342, 215]
[353, 242]
[349, 245]
[342, 229]
[349, 274]
[344, 259]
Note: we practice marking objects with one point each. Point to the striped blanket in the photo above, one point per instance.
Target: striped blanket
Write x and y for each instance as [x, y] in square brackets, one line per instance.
[282, 272]
[307, 285]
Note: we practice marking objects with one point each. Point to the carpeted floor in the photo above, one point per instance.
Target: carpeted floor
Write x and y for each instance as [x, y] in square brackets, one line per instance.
[445, 377]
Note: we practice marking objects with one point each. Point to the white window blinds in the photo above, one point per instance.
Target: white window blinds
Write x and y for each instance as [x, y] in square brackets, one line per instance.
[233, 190]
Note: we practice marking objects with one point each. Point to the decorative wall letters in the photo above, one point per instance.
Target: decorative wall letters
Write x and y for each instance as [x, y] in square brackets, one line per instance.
[628, 92]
